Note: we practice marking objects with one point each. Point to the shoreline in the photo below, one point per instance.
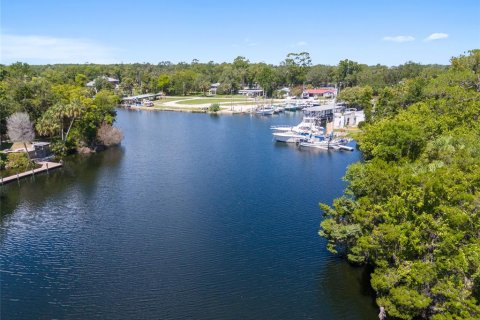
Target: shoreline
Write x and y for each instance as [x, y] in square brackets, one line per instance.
[244, 110]
[226, 107]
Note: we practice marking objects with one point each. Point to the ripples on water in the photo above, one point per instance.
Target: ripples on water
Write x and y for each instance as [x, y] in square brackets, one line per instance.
[193, 217]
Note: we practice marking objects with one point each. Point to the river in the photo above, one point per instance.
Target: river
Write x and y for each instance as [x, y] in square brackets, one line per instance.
[193, 217]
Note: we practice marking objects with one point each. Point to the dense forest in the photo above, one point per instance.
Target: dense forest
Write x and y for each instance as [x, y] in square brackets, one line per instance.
[412, 208]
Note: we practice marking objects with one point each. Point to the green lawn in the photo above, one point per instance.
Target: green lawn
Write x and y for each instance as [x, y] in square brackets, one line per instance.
[186, 108]
[170, 98]
[237, 100]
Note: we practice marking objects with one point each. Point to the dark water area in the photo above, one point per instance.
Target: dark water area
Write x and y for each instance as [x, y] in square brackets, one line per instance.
[193, 217]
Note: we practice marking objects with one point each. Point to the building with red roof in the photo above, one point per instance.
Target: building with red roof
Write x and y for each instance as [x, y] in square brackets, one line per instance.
[319, 92]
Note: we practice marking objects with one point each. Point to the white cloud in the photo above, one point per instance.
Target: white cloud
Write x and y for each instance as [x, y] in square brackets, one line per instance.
[436, 36]
[302, 43]
[399, 38]
[45, 49]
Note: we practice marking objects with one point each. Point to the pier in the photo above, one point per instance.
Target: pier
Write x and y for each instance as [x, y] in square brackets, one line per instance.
[46, 166]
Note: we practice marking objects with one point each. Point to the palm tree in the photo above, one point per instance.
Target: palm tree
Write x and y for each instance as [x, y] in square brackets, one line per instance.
[71, 112]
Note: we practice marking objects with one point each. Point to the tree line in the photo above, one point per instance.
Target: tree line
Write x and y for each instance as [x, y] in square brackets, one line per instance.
[185, 78]
[412, 208]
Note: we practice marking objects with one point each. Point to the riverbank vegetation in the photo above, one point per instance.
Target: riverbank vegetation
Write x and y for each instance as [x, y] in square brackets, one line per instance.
[13, 163]
[412, 208]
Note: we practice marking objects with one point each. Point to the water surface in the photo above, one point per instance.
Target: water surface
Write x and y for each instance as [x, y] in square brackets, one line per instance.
[194, 217]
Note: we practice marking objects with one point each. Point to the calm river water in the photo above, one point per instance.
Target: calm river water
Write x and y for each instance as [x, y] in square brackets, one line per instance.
[194, 217]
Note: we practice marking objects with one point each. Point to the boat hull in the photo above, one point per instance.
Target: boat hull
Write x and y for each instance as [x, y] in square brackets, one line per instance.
[265, 112]
[323, 145]
[287, 137]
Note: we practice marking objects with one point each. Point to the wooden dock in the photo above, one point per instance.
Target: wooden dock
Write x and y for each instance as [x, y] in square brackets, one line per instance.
[46, 167]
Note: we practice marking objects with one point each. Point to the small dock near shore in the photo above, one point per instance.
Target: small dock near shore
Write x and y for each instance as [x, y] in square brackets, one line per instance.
[46, 166]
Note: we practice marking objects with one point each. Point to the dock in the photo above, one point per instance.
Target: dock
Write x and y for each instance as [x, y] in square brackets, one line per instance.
[46, 166]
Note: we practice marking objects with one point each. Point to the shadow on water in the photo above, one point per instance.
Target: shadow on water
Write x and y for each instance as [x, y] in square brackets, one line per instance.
[347, 287]
[214, 116]
[78, 169]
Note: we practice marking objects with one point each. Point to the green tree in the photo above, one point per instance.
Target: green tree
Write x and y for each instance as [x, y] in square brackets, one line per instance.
[183, 82]
[202, 83]
[102, 83]
[80, 79]
[60, 118]
[358, 97]
[266, 78]
[295, 67]
[230, 80]
[347, 73]
[321, 75]
[163, 82]
[240, 65]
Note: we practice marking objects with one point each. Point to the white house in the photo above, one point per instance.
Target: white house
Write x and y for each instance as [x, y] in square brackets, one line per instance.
[327, 92]
[113, 81]
[213, 89]
[348, 118]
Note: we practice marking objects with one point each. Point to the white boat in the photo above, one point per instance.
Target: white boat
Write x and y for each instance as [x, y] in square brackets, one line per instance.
[291, 107]
[326, 144]
[278, 109]
[288, 137]
[265, 111]
[296, 137]
[307, 126]
[304, 130]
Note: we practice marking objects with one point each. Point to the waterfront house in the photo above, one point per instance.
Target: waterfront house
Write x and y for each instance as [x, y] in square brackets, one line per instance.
[254, 91]
[213, 89]
[327, 92]
[36, 150]
[113, 81]
[251, 92]
[324, 112]
[348, 118]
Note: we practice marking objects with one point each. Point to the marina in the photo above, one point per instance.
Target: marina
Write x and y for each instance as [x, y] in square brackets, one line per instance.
[309, 134]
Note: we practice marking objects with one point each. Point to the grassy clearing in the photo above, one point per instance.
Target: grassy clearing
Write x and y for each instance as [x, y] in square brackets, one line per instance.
[166, 108]
[214, 100]
[170, 98]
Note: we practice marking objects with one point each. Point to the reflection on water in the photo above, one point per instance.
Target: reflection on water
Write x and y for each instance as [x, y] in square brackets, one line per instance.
[338, 277]
[78, 169]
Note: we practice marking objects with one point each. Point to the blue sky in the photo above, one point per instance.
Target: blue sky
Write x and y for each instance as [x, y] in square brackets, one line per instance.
[104, 31]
